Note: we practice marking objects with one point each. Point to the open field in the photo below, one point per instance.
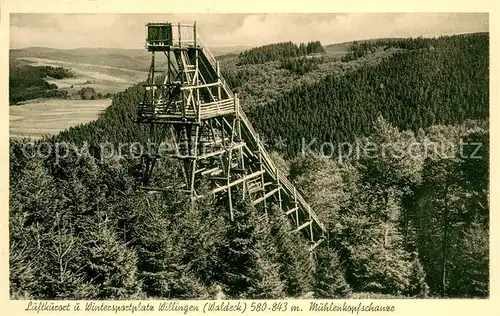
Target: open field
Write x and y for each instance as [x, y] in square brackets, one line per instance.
[48, 117]
[91, 68]
[102, 78]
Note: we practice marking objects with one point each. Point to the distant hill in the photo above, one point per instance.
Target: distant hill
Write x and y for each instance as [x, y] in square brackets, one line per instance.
[343, 47]
[28, 82]
[133, 59]
[443, 81]
[224, 50]
[105, 70]
[338, 48]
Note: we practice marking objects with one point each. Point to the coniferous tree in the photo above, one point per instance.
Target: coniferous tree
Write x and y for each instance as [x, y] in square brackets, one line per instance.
[110, 265]
[24, 257]
[296, 265]
[161, 264]
[236, 252]
[329, 276]
[62, 275]
[418, 286]
[266, 280]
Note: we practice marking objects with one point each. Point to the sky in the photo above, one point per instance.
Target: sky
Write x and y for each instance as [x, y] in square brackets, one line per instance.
[223, 30]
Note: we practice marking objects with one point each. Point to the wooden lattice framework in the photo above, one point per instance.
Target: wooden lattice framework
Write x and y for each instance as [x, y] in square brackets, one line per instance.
[213, 139]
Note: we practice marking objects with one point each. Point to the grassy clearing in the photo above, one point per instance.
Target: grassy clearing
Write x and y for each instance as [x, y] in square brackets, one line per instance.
[102, 78]
[37, 118]
[48, 117]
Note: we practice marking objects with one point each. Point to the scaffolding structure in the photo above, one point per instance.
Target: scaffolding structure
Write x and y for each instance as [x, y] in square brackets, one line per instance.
[213, 138]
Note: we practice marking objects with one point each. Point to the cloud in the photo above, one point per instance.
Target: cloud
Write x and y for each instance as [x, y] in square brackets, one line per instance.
[127, 30]
[258, 29]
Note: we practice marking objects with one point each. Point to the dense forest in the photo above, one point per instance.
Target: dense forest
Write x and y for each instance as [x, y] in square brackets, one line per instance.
[262, 54]
[301, 65]
[409, 223]
[262, 84]
[362, 49]
[411, 89]
[88, 233]
[28, 82]
[412, 214]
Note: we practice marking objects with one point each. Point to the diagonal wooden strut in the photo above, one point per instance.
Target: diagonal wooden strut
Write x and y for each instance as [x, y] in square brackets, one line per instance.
[213, 139]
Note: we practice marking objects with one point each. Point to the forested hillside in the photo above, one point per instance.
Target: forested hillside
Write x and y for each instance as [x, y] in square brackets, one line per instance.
[417, 211]
[445, 82]
[81, 229]
[260, 84]
[262, 54]
[409, 223]
[28, 82]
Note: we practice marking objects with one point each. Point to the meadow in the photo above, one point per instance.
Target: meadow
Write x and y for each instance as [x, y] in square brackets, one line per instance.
[48, 117]
[103, 78]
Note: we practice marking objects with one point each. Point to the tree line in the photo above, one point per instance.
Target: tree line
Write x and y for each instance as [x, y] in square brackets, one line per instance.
[28, 82]
[362, 49]
[262, 54]
[301, 65]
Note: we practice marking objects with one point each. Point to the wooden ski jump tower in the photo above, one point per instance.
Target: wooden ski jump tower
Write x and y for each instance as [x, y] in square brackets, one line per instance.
[213, 138]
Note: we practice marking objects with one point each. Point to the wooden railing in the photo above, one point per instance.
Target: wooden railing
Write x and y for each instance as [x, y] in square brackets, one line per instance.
[276, 173]
[216, 108]
[210, 57]
[213, 63]
[268, 162]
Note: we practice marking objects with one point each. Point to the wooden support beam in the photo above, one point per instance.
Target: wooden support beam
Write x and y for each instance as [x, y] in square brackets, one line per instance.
[193, 164]
[303, 226]
[254, 187]
[164, 120]
[192, 87]
[225, 187]
[311, 231]
[290, 211]
[207, 155]
[219, 152]
[229, 165]
[262, 217]
[209, 171]
[217, 178]
[194, 36]
[316, 244]
[214, 142]
[263, 198]
[296, 205]
[280, 201]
